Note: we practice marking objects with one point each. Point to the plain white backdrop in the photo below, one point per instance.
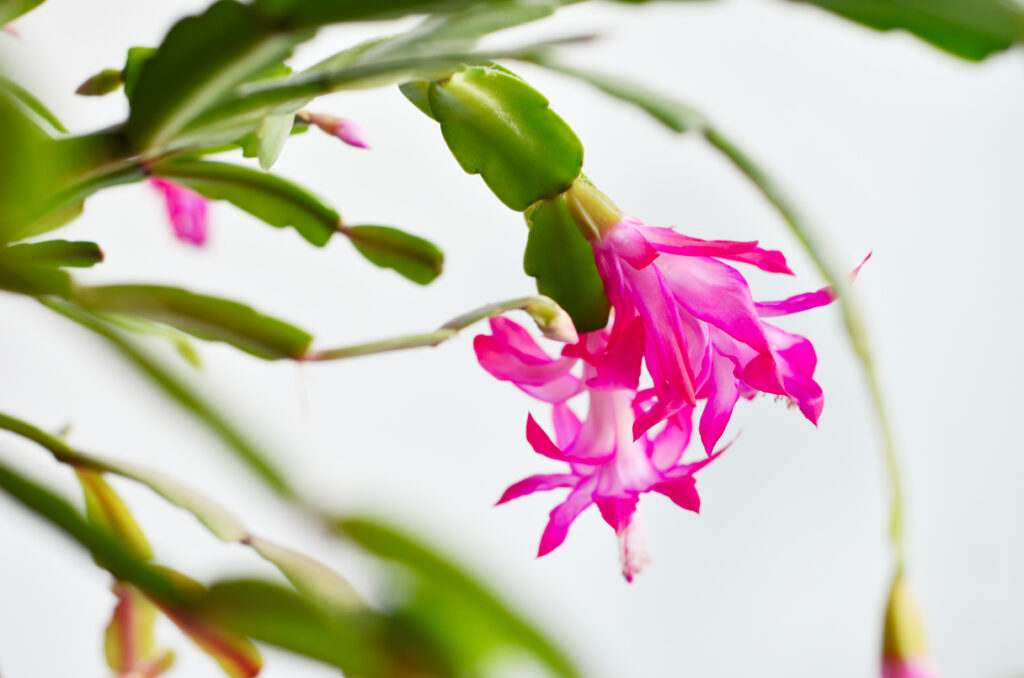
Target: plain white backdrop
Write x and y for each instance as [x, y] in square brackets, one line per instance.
[889, 145]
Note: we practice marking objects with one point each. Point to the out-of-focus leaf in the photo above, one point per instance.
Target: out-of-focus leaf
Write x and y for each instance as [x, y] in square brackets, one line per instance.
[258, 461]
[673, 114]
[413, 257]
[272, 614]
[272, 134]
[30, 103]
[267, 197]
[497, 126]
[235, 653]
[562, 261]
[320, 12]
[128, 641]
[179, 340]
[206, 317]
[137, 56]
[34, 268]
[418, 92]
[55, 253]
[199, 63]
[313, 579]
[118, 559]
[106, 510]
[972, 29]
[12, 9]
[446, 598]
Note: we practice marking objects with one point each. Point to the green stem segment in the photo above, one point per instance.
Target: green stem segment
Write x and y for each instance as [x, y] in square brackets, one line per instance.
[440, 335]
[813, 243]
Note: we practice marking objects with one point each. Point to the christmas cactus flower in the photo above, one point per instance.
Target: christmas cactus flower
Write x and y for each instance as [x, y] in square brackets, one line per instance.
[345, 130]
[607, 467]
[691, 319]
[186, 209]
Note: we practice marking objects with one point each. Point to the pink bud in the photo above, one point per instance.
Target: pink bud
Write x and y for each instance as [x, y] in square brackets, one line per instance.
[186, 210]
[346, 130]
[12, 29]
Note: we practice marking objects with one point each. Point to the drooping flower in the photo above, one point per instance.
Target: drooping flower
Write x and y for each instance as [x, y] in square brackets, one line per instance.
[346, 130]
[186, 209]
[691, 318]
[606, 466]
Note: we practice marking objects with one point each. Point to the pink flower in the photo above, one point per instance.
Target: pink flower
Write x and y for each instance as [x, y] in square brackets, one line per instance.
[12, 29]
[606, 466]
[186, 209]
[346, 130]
[691, 319]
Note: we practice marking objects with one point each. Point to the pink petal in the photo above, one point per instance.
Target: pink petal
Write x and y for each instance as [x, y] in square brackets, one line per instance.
[538, 483]
[186, 209]
[619, 365]
[900, 668]
[540, 442]
[352, 134]
[634, 552]
[563, 515]
[805, 301]
[667, 448]
[722, 394]
[567, 425]
[718, 294]
[669, 242]
[508, 364]
[516, 337]
[682, 491]
[556, 391]
[629, 245]
[617, 511]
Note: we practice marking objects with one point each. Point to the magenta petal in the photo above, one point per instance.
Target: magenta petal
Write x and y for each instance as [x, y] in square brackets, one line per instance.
[352, 134]
[617, 511]
[619, 365]
[563, 515]
[509, 364]
[668, 241]
[805, 301]
[717, 294]
[567, 425]
[682, 491]
[667, 448]
[538, 483]
[557, 391]
[515, 336]
[630, 245]
[722, 394]
[540, 442]
[186, 209]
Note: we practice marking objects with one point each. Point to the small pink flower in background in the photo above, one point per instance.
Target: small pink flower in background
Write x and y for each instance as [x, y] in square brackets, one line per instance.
[346, 130]
[896, 668]
[186, 209]
[12, 29]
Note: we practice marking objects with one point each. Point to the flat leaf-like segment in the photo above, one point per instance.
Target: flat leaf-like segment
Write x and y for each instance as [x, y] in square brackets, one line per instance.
[199, 62]
[972, 29]
[267, 197]
[12, 9]
[562, 261]
[413, 257]
[499, 127]
[206, 317]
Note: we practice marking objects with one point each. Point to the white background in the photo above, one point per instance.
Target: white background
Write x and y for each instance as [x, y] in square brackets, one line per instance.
[887, 144]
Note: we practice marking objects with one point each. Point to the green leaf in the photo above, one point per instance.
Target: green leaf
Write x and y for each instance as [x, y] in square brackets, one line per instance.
[673, 114]
[413, 257]
[272, 134]
[446, 598]
[12, 9]
[137, 57]
[129, 639]
[320, 12]
[31, 104]
[103, 83]
[206, 317]
[272, 614]
[972, 29]
[115, 557]
[198, 64]
[499, 127]
[562, 261]
[267, 197]
[57, 253]
[257, 460]
[311, 578]
[179, 340]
